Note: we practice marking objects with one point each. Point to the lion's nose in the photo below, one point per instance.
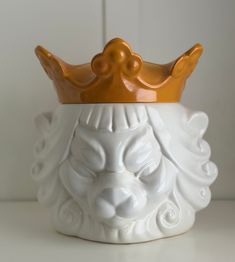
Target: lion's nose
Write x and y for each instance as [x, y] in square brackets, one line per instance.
[115, 201]
[115, 196]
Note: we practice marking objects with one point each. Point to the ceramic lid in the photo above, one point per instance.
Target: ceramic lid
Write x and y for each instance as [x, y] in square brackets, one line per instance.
[118, 75]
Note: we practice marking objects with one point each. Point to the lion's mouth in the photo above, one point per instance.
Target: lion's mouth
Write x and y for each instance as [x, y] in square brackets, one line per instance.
[118, 222]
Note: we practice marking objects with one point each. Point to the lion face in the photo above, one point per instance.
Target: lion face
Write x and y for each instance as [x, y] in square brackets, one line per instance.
[123, 173]
[117, 177]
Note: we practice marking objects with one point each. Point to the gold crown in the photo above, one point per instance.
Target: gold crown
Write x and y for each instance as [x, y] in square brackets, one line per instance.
[118, 75]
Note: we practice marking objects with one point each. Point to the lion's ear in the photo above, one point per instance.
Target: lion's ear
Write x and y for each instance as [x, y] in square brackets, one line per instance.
[43, 122]
[198, 121]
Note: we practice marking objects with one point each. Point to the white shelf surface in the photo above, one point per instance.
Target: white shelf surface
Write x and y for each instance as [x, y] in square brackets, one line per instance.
[27, 235]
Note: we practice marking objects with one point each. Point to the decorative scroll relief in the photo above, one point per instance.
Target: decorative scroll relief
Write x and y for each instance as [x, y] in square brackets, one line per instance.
[181, 139]
[123, 173]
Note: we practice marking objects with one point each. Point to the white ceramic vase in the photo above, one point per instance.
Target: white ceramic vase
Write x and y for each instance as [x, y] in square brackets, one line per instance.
[123, 173]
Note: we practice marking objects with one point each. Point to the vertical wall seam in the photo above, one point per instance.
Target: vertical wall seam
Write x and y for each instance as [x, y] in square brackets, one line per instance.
[139, 42]
[104, 20]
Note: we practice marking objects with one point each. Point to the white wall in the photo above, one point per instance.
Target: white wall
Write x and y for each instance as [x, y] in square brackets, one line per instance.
[159, 30]
[72, 29]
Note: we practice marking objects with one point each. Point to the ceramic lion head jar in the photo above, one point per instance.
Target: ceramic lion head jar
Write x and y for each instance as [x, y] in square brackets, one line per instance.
[120, 160]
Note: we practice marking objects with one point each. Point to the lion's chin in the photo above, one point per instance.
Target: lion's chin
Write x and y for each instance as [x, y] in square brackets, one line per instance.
[117, 222]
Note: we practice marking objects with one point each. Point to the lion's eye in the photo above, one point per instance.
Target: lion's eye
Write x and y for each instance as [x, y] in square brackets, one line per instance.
[81, 169]
[92, 156]
[147, 170]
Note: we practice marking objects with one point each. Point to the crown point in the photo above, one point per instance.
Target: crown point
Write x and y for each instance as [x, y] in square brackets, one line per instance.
[116, 40]
[186, 63]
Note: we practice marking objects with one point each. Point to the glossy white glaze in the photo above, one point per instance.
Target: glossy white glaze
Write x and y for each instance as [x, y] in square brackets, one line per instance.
[123, 173]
